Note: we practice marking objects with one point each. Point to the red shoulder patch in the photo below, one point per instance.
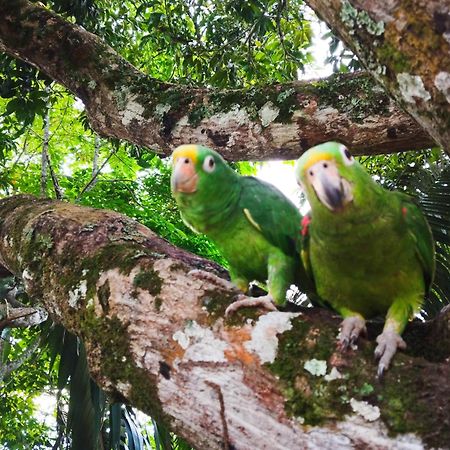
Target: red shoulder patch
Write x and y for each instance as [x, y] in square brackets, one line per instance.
[404, 211]
[305, 224]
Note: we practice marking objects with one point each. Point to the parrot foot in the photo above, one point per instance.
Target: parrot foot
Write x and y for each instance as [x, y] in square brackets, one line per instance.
[214, 279]
[351, 328]
[265, 302]
[388, 343]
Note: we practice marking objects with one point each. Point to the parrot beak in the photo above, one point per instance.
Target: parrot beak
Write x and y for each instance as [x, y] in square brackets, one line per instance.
[331, 189]
[184, 177]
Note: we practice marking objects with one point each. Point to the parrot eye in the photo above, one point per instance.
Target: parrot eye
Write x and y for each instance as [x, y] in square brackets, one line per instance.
[209, 164]
[347, 156]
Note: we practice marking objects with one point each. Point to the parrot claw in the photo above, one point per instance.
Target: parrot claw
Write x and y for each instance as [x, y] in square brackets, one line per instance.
[351, 329]
[265, 302]
[388, 343]
[214, 279]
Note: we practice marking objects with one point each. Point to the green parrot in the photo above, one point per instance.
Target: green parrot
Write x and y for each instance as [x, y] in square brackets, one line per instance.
[255, 227]
[369, 251]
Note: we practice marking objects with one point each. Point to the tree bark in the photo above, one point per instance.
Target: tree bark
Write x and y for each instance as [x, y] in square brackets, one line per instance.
[155, 336]
[405, 45]
[277, 121]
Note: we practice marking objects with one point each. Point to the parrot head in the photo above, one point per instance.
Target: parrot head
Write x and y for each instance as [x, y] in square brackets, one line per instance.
[332, 179]
[199, 173]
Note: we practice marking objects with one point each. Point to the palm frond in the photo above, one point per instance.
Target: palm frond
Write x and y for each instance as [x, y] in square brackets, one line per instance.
[435, 202]
[430, 184]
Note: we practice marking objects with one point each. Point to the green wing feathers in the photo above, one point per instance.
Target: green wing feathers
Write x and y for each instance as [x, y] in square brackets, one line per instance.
[271, 213]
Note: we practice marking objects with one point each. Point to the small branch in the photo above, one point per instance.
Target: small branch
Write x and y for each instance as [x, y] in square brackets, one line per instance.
[94, 177]
[10, 297]
[10, 367]
[97, 144]
[45, 141]
[21, 317]
[57, 188]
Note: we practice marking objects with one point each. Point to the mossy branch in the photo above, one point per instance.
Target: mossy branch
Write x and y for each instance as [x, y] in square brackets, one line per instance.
[155, 336]
[278, 121]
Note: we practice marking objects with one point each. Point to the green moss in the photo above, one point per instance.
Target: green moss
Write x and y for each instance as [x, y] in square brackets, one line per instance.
[158, 303]
[358, 97]
[103, 293]
[197, 114]
[353, 18]
[43, 242]
[216, 302]
[117, 365]
[393, 58]
[405, 409]
[148, 280]
[308, 396]
[398, 395]
[115, 255]
[287, 102]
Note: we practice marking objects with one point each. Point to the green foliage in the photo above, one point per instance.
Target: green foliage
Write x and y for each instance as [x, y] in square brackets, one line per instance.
[20, 427]
[340, 57]
[223, 44]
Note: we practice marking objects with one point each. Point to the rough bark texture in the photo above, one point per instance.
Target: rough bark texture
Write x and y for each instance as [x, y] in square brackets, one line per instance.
[405, 45]
[279, 121]
[155, 336]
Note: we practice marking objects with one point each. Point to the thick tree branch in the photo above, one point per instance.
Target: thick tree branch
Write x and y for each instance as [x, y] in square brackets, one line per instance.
[405, 45]
[278, 121]
[155, 336]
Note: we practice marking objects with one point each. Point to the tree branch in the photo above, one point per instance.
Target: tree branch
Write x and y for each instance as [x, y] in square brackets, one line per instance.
[277, 121]
[45, 141]
[155, 336]
[405, 45]
[21, 317]
[7, 368]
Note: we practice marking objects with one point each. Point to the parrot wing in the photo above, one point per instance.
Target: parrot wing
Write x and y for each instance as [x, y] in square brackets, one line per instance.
[271, 213]
[421, 233]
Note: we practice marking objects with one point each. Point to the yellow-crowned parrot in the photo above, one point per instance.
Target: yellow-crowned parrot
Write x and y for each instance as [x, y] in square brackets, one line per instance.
[369, 250]
[255, 227]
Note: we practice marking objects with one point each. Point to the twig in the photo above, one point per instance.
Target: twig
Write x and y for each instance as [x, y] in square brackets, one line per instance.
[45, 141]
[86, 188]
[56, 187]
[95, 163]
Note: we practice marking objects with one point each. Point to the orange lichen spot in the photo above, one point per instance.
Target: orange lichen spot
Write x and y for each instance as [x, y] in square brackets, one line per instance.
[173, 352]
[237, 337]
